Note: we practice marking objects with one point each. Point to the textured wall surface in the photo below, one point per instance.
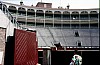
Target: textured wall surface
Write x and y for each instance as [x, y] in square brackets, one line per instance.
[2, 38]
[2, 44]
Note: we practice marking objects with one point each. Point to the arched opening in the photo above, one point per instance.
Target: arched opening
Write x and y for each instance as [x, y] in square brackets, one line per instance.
[48, 19]
[94, 19]
[12, 9]
[30, 17]
[48, 14]
[66, 15]
[39, 18]
[57, 19]
[30, 12]
[84, 15]
[39, 13]
[66, 19]
[75, 15]
[75, 19]
[57, 14]
[93, 15]
[21, 11]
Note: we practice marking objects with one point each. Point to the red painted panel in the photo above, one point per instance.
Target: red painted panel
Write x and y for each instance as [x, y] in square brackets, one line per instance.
[26, 52]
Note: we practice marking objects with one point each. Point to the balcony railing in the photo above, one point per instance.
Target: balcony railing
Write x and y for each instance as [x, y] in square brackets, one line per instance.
[56, 21]
[9, 15]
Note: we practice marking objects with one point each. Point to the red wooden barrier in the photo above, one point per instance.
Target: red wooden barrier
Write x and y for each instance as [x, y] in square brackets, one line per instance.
[25, 52]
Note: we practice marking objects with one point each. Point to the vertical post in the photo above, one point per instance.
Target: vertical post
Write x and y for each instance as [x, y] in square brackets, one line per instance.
[26, 17]
[79, 21]
[16, 16]
[44, 18]
[98, 20]
[13, 21]
[89, 20]
[9, 25]
[61, 20]
[46, 57]
[70, 20]
[53, 19]
[5, 9]
[2, 7]
[35, 18]
[49, 57]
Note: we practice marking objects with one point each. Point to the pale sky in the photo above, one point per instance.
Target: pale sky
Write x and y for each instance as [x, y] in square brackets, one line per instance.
[74, 4]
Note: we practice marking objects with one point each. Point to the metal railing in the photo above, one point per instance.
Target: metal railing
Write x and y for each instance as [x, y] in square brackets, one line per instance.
[10, 17]
[53, 21]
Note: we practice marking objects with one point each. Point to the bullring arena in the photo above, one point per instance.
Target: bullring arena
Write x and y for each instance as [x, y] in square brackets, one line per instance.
[46, 35]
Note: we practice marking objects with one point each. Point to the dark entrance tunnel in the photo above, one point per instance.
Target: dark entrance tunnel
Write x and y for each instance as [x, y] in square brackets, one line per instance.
[61, 57]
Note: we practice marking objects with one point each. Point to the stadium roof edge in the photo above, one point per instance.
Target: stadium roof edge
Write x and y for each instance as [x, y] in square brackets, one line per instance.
[47, 8]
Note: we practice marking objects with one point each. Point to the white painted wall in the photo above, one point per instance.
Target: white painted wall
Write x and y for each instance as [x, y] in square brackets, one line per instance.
[6, 23]
[1, 57]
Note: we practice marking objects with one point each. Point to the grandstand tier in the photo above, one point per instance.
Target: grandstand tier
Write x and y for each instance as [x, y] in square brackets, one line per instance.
[58, 31]
[54, 17]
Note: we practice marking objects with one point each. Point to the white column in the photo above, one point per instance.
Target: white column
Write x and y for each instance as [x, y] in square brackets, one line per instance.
[79, 21]
[98, 20]
[2, 6]
[53, 19]
[46, 57]
[26, 17]
[70, 20]
[49, 56]
[5, 10]
[61, 20]
[35, 18]
[7, 13]
[16, 16]
[44, 18]
[89, 19]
